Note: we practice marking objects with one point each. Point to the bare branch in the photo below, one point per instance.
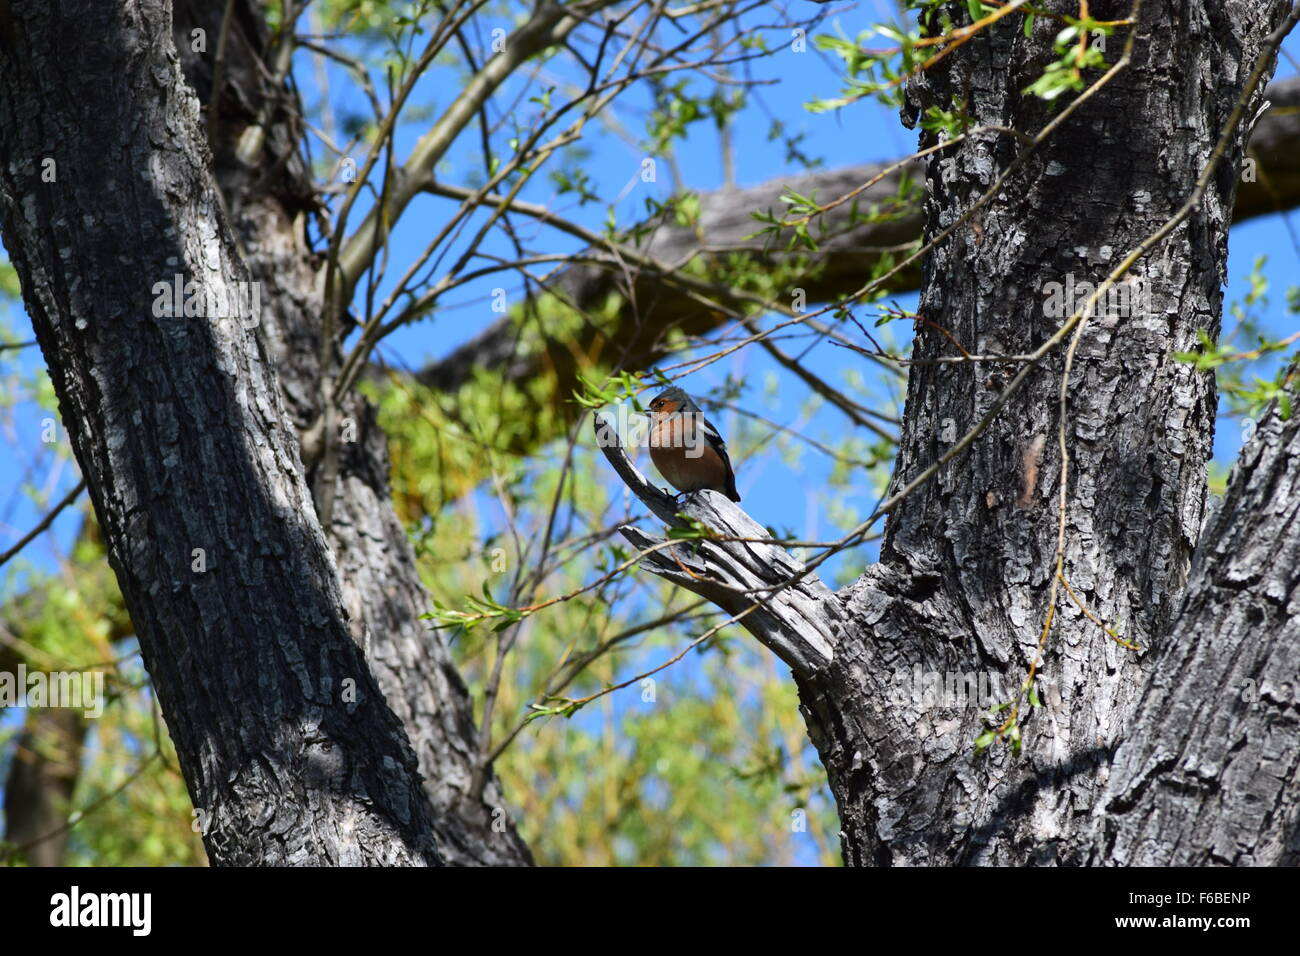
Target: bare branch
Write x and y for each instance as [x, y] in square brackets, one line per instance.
[800, 623]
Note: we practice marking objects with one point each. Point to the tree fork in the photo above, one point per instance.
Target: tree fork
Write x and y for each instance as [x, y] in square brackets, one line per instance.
[969, 557]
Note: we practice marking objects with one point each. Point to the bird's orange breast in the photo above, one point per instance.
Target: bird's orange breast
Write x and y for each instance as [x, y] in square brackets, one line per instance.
[683, 456]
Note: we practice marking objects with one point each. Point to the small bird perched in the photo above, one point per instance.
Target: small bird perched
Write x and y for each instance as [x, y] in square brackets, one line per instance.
[686, 448]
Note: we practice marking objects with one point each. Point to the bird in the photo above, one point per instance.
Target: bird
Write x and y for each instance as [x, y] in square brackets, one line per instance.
[686, 448]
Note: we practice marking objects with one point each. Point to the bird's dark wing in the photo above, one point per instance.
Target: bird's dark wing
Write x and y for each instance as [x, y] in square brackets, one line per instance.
[714, 438]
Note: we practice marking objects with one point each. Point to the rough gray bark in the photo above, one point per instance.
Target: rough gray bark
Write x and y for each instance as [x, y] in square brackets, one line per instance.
[290, 754]
[1140, 430]
[1219, 786]
[963, 582]
[268, 194]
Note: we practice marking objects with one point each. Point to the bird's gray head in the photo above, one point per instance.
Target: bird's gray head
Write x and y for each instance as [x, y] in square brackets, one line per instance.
[673, 400]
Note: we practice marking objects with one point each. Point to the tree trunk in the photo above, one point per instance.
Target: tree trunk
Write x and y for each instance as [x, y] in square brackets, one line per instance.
[963, 585]
[289, 751]
[1217, 784]
[40, 784]
[268, 193]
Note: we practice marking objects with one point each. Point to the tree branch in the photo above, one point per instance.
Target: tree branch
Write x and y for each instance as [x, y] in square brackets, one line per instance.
[1272, 185]
[549, 25]
[800, 623]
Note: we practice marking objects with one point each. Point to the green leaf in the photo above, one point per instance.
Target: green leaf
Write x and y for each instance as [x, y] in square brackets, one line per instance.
[9, 286]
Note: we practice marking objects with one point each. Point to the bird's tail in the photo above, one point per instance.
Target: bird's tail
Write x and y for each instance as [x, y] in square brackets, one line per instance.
[731, 492]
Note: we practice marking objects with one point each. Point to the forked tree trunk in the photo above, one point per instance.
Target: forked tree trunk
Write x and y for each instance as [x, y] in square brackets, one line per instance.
[1210, 772]
[968, 560]
[962, 588]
